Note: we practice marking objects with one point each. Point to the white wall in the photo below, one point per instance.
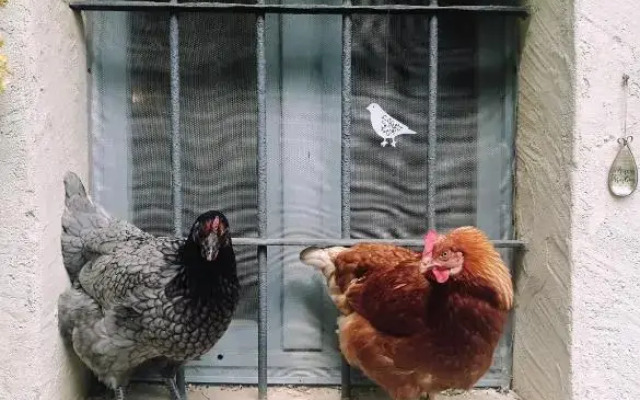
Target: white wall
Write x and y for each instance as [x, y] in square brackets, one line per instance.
[43, 125]
[606, 230]
[578, 319]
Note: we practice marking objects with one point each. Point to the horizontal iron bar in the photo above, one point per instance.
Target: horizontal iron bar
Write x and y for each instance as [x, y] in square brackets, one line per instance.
[241, 241]
[124, 5]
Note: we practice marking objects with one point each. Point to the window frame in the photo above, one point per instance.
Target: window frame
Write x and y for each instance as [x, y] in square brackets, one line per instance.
[260, 9]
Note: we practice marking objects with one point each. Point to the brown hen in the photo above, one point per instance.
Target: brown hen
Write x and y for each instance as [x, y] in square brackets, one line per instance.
[419, 324]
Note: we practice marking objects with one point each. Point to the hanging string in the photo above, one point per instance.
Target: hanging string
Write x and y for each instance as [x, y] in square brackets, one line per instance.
[625, 89]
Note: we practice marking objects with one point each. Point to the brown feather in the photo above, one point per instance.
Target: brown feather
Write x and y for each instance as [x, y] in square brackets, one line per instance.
[413, 336]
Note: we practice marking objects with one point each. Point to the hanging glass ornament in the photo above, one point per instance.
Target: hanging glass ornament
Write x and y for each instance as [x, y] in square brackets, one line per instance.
[623, 173]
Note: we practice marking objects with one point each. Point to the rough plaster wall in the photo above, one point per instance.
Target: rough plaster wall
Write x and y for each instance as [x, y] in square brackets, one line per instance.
[606, 278]
[42, 133]
[541, 368]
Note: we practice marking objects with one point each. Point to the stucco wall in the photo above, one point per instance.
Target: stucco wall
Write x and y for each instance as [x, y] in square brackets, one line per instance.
[606, 230]
[542, 369]
[43, 125]
[577, 322]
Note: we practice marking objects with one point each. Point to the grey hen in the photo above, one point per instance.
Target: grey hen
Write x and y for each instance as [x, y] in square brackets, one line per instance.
[138, 299]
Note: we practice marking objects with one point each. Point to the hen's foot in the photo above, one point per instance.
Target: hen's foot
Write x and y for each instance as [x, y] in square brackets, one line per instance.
[119, 393]
[173, 389]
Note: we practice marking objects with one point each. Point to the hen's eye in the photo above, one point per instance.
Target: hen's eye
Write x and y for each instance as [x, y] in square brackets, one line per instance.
[444, 254]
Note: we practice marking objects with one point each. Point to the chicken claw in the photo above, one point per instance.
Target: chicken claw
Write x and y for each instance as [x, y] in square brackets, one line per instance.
[119, 393]
[173, 389]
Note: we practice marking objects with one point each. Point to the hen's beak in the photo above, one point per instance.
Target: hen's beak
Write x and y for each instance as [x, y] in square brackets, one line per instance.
[441, 273]
[211, 255]
[426, 264]
[209, 246]
[427, 253]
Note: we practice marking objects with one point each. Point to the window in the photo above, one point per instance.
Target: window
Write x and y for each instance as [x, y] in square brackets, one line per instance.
[176, 129]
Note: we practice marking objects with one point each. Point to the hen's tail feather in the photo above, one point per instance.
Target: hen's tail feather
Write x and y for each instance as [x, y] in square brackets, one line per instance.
[75, 194]
[75, 307]
[324, 260]
[79, 216]
[88, 230]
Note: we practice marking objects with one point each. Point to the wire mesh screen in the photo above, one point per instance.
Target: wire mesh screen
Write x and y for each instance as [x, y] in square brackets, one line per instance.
[388, 185]
[150, 130]
[218, 129]
[134, 173]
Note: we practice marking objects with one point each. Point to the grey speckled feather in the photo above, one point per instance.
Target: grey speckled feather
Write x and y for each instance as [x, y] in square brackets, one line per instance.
[136, 297]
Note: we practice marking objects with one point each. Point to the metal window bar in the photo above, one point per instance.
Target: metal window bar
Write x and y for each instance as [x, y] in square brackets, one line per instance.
[345, 167]
[174, 51]
[176, 148]
[248, 241]
[432, 121]
[261, 8]
[261, 82]
[263, 242]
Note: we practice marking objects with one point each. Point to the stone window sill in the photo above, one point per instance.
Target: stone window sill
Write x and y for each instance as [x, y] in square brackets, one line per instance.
[157, 392]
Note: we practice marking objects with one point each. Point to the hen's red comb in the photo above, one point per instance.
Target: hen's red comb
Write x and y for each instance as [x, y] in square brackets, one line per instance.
[211, 226]
[429, 242]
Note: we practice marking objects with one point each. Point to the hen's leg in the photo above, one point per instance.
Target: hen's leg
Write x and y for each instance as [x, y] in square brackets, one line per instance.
[384, 143]
[393, 142]
[119, 392]
[173, 388]
[181, 383]
[170, 380]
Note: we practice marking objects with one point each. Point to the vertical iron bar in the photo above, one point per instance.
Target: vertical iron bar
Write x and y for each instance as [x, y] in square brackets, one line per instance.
[176, 168]
[261, 83]
[346, 161]
[510, 37]
[433, 112]
[174, 39]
